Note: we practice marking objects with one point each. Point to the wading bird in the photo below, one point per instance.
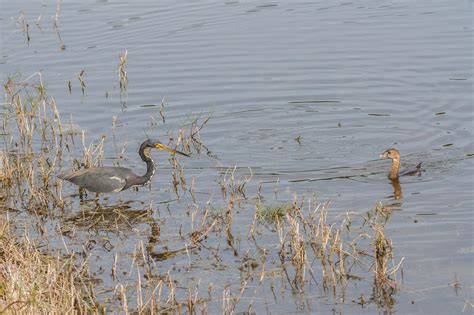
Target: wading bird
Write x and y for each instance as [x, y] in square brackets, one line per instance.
[394, 155]
[109, 179]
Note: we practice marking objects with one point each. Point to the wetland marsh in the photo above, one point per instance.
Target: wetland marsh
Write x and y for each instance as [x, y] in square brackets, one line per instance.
[283, 205]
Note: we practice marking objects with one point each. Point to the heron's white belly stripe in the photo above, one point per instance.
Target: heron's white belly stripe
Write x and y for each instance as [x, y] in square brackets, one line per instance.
[118, 178]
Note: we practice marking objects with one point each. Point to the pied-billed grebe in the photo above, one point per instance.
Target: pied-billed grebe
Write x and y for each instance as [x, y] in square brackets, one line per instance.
[394, 170]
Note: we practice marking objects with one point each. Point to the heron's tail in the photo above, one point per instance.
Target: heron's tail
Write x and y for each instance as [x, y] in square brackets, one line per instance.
[64, 176]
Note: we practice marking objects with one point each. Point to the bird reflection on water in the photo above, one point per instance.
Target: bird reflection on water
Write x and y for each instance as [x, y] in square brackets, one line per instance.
[397, 189]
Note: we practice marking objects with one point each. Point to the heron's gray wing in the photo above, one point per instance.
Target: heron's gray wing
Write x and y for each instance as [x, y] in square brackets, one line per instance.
[100, 179]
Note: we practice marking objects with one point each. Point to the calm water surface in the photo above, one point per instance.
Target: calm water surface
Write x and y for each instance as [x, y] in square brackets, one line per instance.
[349, 78]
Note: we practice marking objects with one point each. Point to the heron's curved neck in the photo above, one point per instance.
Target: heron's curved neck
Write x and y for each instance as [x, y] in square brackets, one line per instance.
[395, 168]
[150, 166]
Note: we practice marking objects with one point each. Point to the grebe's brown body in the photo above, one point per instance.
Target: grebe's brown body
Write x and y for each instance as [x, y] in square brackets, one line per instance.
[394, 155]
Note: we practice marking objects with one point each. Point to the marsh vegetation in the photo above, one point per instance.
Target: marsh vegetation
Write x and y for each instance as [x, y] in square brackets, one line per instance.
[294, 246]
[283, 206]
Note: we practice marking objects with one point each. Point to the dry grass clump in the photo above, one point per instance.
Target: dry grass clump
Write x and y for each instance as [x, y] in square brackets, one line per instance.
[33, 145]
[189, 136]
[189, 141]
[310, 250]
[33, 282]
[345, 250]
[383, 266]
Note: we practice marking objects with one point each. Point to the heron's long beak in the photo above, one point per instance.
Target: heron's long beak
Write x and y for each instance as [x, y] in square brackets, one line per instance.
[161, 146]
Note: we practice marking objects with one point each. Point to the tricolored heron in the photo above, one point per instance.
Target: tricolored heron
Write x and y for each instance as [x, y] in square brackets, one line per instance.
[109, 179]
[394, 170]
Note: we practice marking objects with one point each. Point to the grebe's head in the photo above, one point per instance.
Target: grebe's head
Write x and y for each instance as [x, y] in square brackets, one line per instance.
[390, 154]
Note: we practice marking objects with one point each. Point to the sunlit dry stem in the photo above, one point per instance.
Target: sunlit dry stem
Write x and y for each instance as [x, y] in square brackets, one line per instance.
[162, 109]
[123, 78]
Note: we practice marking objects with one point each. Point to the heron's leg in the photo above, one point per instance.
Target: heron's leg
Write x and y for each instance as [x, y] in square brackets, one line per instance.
[82, 193]
[96, 200]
